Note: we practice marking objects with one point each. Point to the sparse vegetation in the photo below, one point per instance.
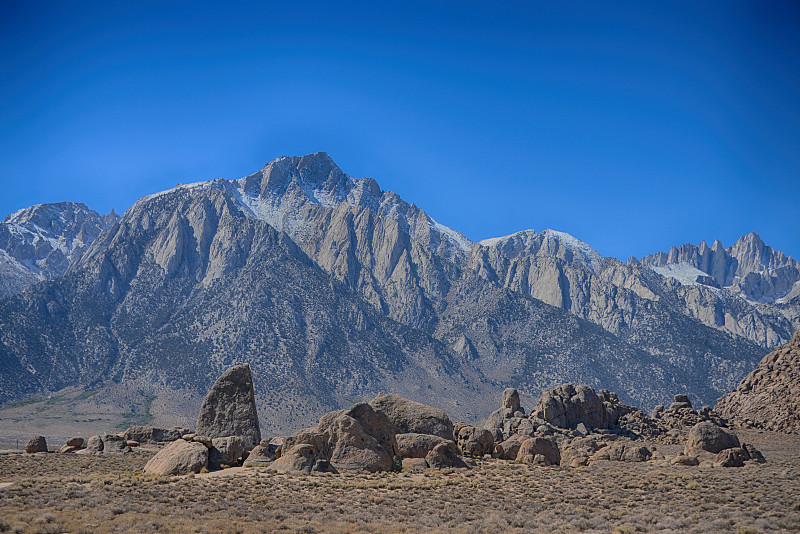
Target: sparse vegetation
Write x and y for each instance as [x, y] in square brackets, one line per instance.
[77, 493]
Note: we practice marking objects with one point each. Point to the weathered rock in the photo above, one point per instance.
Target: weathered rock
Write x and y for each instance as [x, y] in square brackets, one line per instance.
[683, 459]
[416, 445]
[547, 448]
[114, 444]
[734, 457]
[754, 453]
[681, 401]
[511, 400]
[178, 458]
[769, 397]
[581, 449]
[568, 405]
[152, 434]
[225, 452]
[445, 454]
[508, 449]
[205, 440]
[624, 452]
[229, 408]
[132, 443]
[75, 442]
[298, 458]
[36, 444]
[260, 456]
[474, 441]
[360, 438]
[413, 417]
[414, 465]
[94, 445]
[323, 466]
[707, 436]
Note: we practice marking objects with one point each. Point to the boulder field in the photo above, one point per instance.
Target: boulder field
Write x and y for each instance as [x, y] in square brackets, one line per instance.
[570, 426]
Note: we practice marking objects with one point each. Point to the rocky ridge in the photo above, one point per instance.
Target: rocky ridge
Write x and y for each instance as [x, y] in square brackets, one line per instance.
[42, 241]
[335, 290]
[768, 397]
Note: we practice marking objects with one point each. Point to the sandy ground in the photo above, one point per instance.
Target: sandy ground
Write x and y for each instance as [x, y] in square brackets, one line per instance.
[49, 493]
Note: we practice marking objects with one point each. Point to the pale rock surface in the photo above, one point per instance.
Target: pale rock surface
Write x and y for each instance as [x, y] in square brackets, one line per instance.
[178, 458]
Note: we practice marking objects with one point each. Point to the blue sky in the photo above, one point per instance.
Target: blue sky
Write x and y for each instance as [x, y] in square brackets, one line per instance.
[631, 125]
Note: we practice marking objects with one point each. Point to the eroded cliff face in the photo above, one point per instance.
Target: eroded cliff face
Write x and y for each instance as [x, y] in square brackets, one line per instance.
[334, 290]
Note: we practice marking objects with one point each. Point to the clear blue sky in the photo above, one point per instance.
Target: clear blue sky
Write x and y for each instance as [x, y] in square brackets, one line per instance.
[631, 125]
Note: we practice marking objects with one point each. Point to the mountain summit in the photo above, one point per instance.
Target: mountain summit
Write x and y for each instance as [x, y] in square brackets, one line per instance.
[334, 290]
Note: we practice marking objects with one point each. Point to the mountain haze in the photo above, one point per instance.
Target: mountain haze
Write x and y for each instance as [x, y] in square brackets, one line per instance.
[333, 290]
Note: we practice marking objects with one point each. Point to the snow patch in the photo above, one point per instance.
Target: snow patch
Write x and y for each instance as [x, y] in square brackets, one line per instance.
[683, 272]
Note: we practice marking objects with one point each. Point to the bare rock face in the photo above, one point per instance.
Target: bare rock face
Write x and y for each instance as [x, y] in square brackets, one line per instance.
[36, 444]
[229, 408]
[566, 406]
[707, 436]
[540, 451]
[769, 397]
[178, 458]
[413, 417]
[416, 445]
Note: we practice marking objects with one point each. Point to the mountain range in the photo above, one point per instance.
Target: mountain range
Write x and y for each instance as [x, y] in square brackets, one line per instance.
[333, 290]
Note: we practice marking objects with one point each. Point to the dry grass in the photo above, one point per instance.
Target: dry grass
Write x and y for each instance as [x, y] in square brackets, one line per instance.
[69, 493]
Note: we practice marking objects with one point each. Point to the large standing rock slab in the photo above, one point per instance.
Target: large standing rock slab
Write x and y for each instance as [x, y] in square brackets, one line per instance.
[413, 417]
[36, 444]
[229, 408]
[178, 458]
[707, 436]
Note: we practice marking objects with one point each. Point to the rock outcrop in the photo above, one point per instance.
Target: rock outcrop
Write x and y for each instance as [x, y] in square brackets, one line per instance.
[36, 444]
[769, 397]
[152, 434]
[474, 441]
[229, 408]
[357, 439]
[178, 458]
[416, 445]
[539, 451]
[413, 417]
[709, 437]
[225, 452]
[567, 406]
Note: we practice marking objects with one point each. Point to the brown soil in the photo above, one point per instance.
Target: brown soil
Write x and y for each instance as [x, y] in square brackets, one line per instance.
[51, 493]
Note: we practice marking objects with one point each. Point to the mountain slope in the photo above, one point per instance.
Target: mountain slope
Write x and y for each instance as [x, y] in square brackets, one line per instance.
[333, 290]
[41, 242]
